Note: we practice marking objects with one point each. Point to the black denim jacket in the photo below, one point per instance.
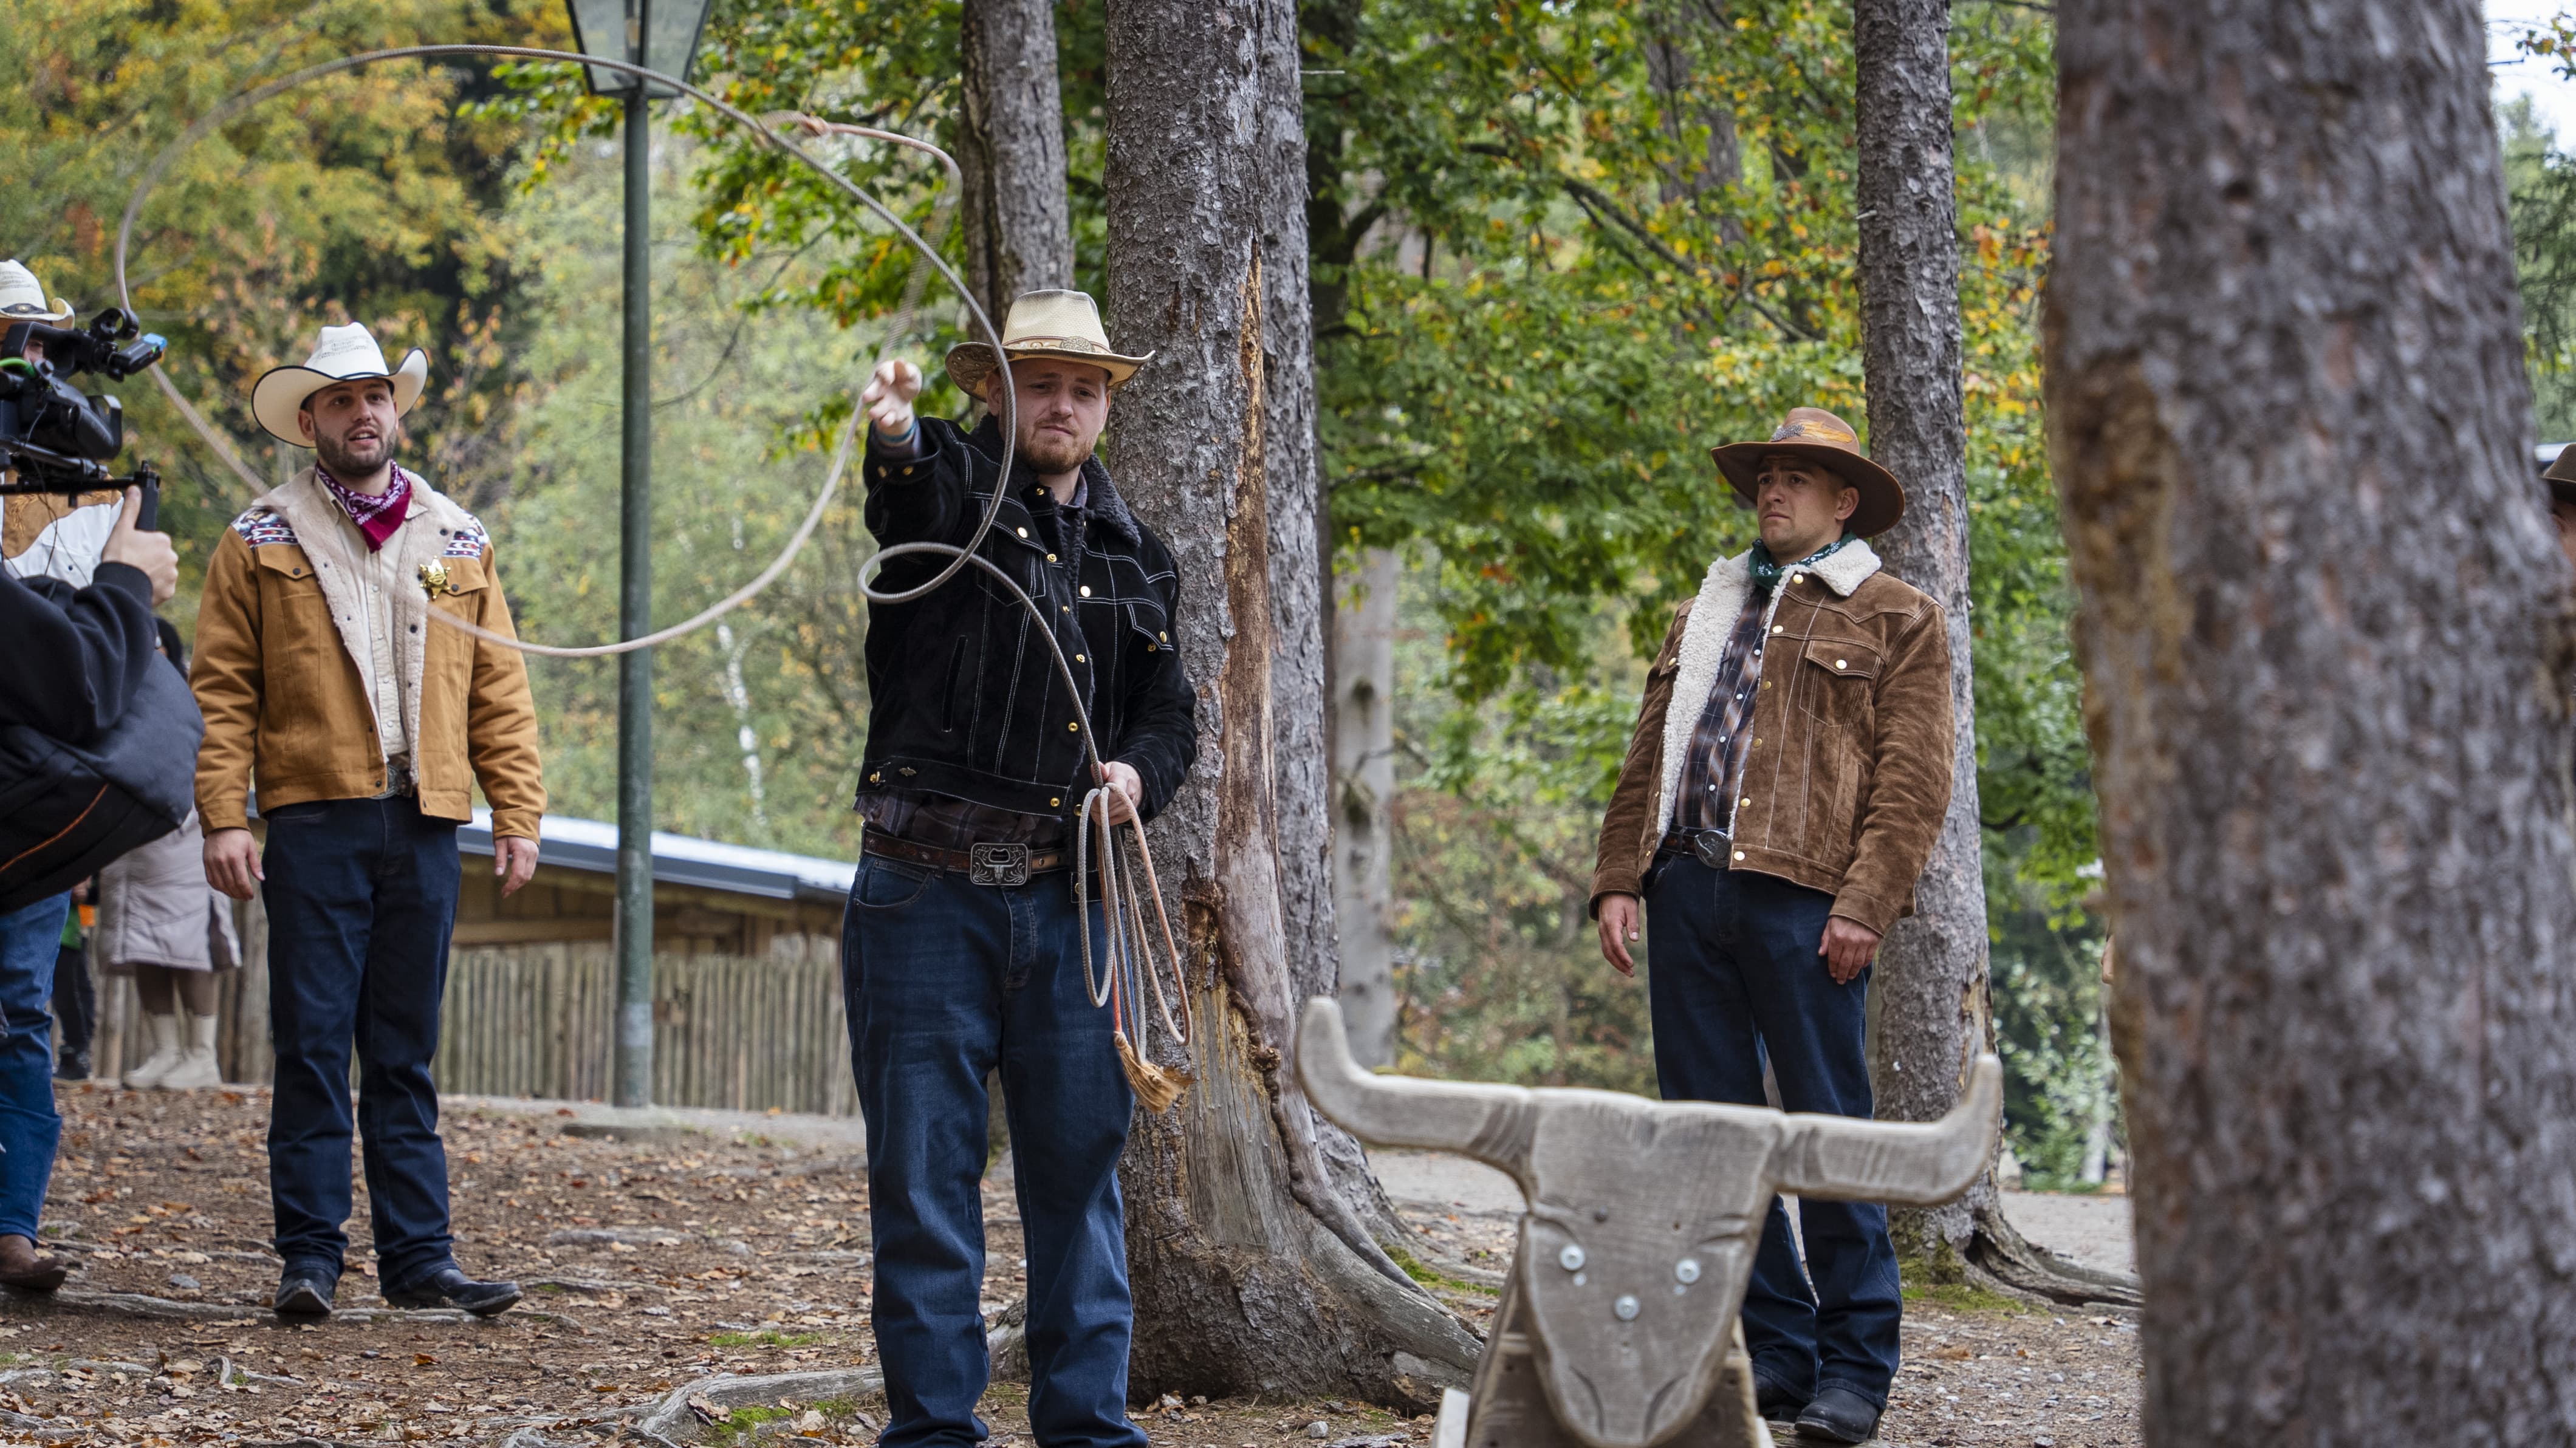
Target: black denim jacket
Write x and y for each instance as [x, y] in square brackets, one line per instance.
[964, 699]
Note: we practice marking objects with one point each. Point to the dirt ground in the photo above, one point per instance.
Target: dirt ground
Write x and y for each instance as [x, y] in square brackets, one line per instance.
[654, 1266]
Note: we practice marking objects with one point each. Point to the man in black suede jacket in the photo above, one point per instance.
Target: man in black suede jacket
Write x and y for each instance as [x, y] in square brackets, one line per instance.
[961, 950]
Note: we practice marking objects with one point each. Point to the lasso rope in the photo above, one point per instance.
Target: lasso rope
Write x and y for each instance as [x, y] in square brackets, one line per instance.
[1128, 958]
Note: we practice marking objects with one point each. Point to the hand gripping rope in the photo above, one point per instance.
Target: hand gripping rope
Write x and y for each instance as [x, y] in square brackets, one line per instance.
[1127, 964]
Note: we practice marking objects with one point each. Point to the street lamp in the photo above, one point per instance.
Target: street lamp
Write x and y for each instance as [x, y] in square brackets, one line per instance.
[661, 35]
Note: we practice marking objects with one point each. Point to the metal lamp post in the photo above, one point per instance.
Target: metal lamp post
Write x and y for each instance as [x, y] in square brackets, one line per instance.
[661, 35]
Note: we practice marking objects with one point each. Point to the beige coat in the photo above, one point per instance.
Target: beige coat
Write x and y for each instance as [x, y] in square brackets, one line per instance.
[155, 908]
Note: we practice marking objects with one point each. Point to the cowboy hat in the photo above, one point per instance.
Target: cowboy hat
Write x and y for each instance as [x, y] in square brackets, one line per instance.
[1814, 435]
[2561, 476]
[22, 297]
[1063, 325]
[345, 355]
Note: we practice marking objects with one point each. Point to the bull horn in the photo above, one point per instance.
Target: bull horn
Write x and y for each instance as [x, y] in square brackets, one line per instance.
[1896, 1162]
[1490, 1123]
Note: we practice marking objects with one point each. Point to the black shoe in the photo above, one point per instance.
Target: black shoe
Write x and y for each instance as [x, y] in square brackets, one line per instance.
[73, 1066]
[1775, 1401]
[304, 1292]
[450, 1287]
[1838, 1415]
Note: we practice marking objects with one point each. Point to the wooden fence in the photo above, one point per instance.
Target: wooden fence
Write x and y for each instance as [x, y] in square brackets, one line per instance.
[536, 1020]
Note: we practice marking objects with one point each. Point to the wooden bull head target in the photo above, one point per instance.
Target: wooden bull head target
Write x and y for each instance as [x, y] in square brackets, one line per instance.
[1617, 1327]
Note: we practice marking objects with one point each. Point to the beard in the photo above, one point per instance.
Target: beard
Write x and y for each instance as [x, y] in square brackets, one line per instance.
[353, 461]
[1052, 453]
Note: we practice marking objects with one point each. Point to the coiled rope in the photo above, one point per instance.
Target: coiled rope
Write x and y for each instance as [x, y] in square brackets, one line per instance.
[1127, 961]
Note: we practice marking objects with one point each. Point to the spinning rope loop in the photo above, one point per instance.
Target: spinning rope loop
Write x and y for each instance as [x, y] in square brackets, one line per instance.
[1127, 960]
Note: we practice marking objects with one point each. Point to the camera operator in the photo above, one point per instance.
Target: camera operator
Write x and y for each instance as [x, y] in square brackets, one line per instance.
[56, 533]
[73, 660]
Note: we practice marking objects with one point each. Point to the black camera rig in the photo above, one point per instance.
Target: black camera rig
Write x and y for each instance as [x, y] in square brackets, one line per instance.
[55, 439]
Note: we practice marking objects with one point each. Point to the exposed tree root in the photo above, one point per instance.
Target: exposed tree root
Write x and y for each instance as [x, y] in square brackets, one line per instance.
[135, 1304]
[2007, 1261]
[725, 1391]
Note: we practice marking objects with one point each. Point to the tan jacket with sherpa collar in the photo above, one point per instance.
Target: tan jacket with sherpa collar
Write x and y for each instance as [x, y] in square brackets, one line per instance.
[277, 677]
[1848, 773]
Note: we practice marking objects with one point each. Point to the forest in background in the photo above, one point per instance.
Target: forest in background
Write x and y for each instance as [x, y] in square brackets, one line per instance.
[1557, 252]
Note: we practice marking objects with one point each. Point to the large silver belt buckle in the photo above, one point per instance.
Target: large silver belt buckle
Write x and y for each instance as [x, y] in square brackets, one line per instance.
[999, 865]
[1710, 846]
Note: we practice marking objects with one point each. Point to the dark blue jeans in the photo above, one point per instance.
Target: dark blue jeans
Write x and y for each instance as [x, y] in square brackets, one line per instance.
[945, 981]
[1732, 973]
[361, 899]
[29, 1125]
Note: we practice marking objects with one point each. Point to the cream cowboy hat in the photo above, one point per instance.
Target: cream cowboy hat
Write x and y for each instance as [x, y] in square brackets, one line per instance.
[22, 297]
[345, 354]
[1064, 325]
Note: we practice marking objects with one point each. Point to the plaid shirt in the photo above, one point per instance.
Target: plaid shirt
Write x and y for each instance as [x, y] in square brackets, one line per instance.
[1715, 769]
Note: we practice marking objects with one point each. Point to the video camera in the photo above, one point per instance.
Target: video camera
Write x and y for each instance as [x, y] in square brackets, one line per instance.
[55, 438]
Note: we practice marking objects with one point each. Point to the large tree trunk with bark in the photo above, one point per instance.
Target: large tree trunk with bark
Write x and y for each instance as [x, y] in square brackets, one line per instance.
[1254, 1267]
[1928, 994]
[1010, 152]
[1363, 802]
[2326, 642]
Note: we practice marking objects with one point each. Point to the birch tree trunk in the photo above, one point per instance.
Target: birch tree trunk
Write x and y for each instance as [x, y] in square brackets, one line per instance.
[1253, 1269]
[2326, 640]
[1363, 793]
[1928, 994]
[1010, 152]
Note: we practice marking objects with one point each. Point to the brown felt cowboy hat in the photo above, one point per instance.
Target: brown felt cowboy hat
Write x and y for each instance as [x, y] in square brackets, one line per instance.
[2561, 476]
[1814, 435]
[1063, 325]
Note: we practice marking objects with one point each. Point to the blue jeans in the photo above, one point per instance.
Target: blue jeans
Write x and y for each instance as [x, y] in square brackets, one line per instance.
[29, 1125]
[361, 899]
[1733, 974]
[945, 981]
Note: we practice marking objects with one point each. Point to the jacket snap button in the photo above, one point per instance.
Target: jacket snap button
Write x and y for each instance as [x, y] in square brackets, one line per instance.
[1050, 558]
[1053, 803]
[1024, 532]
[1075, 728]
[1079, 659]
[1779, 628]
[1739, 854]
[907, 472]
[1839, 664]
[1167, 638]
[1086, 590]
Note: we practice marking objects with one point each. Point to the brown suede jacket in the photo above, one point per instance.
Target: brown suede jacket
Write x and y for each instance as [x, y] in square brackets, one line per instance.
[1849, 771]
[281, 692]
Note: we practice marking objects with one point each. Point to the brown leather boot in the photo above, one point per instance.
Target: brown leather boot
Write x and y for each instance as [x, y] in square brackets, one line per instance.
[25, 1268]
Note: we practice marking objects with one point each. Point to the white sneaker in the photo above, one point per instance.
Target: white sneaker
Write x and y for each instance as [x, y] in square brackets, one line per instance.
[196, 1068]
[164, 1031]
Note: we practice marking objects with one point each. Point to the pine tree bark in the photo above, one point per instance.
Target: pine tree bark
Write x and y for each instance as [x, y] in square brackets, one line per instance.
[1928, 994]
[1010, 153]
[2326, 642]
[1253, 1267]
[1363, 794]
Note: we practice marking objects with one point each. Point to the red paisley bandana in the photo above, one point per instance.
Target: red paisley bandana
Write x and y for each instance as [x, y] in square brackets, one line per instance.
[377, 515]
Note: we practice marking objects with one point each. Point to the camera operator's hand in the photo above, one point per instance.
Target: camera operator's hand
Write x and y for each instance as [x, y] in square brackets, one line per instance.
[232, 863]
[888, 399]
[150, 552]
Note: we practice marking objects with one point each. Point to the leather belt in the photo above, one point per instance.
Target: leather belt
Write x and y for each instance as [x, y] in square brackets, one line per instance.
[983, 864]
[1708, 846]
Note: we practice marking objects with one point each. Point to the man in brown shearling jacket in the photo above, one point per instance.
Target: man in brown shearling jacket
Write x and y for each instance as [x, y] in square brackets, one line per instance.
[367, 724]
[1786, 781]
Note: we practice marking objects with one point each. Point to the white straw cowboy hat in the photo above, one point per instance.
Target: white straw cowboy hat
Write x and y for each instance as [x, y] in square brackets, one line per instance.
[22, 297]
[1063, 325]
[345, 355]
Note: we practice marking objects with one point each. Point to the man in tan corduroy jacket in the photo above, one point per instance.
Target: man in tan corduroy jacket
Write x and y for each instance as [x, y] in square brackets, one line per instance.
[366, 723]
[1789, 774]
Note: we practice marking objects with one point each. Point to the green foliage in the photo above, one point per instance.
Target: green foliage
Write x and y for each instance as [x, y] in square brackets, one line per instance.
[358, 197]
[2059, 1086]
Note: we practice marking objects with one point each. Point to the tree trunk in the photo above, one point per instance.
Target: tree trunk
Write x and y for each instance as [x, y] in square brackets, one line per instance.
[1254, 1271]
[1018, 224]
[2326, 641]
[1363, 794]
[1928, 994]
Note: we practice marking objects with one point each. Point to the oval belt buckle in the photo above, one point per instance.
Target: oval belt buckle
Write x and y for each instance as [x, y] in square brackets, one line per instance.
[1710, 846]
[999, 865]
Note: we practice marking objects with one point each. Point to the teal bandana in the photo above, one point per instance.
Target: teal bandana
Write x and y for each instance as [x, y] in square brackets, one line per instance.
[1767, 574]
